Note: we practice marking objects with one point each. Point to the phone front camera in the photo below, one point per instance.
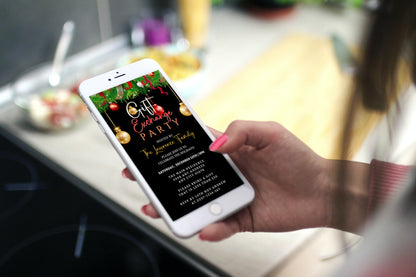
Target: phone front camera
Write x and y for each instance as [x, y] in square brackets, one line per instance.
[109, 79]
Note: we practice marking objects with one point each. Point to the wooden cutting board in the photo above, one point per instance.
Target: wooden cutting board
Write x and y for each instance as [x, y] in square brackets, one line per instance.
[298, 83]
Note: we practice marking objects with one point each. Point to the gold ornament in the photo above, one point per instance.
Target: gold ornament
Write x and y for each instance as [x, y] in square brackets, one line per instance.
[132, 110]
[122, 136]
[183, 109]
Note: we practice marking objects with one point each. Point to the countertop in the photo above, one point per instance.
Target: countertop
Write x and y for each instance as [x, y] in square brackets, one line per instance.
[235, 40]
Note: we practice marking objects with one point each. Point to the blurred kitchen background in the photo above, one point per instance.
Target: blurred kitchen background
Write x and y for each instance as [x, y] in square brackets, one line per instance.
[62, 193]
[30, 31]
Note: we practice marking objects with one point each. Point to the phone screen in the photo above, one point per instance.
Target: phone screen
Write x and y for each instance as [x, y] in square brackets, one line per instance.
[166, 143]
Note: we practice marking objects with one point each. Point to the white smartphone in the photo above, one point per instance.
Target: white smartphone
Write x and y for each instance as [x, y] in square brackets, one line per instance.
[165, 146]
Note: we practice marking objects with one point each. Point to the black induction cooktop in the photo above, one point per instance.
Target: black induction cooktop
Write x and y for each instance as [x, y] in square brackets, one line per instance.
[53, 224]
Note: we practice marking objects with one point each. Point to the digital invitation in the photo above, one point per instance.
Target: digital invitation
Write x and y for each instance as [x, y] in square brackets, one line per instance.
[166, 143]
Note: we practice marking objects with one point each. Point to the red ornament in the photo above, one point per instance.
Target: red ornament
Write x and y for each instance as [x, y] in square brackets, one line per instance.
[158, 109]
[114, 107]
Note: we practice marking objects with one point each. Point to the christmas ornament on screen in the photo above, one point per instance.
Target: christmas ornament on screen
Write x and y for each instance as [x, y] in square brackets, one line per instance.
[159, 110]
[132, 110]
[114, 107]
[122, 136]
[183, 109]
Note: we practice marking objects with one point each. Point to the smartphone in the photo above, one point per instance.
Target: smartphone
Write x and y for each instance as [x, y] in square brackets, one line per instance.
[165, 146]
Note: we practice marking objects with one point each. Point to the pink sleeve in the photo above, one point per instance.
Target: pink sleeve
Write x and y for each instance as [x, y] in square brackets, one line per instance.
[385, 180]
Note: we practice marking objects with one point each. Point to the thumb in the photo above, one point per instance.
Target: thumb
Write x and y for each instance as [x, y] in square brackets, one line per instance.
[220, 230]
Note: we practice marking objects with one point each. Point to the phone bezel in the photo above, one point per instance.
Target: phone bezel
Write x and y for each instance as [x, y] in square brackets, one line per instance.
[194, 221]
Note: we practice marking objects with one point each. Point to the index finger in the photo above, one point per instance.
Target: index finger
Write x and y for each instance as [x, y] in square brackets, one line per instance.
[249, 133]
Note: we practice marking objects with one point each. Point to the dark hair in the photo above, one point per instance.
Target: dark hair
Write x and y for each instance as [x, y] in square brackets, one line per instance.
[391, 35]
[388, 47]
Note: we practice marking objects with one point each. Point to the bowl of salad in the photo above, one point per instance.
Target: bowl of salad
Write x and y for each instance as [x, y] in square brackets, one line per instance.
[49, 108]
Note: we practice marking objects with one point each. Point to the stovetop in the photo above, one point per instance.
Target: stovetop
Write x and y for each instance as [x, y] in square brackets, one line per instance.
[53, 224]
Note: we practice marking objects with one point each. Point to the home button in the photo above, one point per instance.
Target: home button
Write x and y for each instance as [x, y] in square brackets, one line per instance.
[215, 209]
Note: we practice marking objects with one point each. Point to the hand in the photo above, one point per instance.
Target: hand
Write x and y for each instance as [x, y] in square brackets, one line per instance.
[290, 180]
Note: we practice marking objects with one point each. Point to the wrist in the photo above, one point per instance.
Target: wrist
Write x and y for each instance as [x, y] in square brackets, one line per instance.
[347, 195]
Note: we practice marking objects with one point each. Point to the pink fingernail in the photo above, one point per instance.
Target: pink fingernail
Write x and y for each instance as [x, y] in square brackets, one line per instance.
[144, 209]
[218, 142]
[123, 173]
[201, 237]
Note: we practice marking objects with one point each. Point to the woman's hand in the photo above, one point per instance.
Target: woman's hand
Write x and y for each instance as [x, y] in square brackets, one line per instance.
[291, 181]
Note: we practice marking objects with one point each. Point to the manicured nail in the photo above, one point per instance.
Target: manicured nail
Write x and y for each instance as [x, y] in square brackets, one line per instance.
[144, 207]
[218, 142]
[124, 173]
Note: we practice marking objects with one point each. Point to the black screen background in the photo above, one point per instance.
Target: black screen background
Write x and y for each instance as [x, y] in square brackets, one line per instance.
[166, 188]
